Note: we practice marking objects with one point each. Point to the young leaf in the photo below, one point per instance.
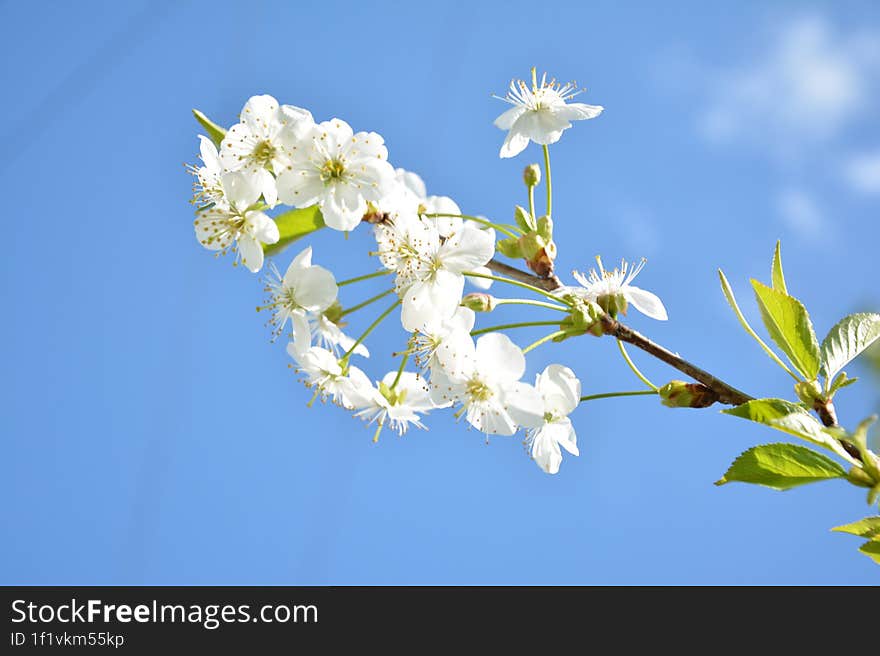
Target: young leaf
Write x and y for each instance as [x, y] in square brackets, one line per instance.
[851, 336]
[214, 131]
[776, 275]
[789, 325]
[293, 225]
[731, 300]
[789, 418]
[871, 550]
[781, 466]
[869, 527]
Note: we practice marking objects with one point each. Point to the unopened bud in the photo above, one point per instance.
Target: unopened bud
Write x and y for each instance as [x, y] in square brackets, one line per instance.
[479, 302]
[679, 394]
[523, 219]
[809, 392]
[532, 175]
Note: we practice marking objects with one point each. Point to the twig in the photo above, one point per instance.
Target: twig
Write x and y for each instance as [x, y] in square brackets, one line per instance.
[726, 393]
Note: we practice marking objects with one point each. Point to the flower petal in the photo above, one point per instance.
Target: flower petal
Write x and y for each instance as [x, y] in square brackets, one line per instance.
[645, 302]
[560, 389]
[514, 144]
[544, 450]
[251, 252]
[579, 111]
[508, 118]
[263, 228]
[524, 404]
[499, 358]
[315, 289]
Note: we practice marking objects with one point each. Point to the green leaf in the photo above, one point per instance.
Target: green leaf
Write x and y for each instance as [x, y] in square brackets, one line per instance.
[781, 466]
[869, 527]
[788, 418]
[731, 300]
[294, 225]
[789, 325]
[840, 382]
[776, 275]
[871, 550]
[851, 336]
[214, 131]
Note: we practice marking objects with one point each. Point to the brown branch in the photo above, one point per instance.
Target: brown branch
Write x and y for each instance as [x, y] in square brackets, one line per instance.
[549, 283]
[726, 393]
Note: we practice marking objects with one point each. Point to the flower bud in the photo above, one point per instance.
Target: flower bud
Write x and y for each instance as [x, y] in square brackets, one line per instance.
[510, 248]
[679, 394]
[479, 302]
[809, 392]
[523, 219]
[532, 175]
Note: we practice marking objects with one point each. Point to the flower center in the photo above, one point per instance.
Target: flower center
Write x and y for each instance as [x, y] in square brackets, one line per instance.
[264, 153]
[289, 298]
[477, 390]
[332, 170]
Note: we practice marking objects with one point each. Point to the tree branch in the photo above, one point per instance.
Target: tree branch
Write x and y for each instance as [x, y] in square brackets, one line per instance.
[725, 393]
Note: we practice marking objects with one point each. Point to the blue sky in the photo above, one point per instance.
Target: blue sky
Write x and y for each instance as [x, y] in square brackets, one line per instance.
[152, 434]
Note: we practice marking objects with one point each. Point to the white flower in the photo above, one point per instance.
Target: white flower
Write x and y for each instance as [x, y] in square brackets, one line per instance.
[236, 224]
[339, 170]
[603, 285]
[399, 405]
[429, 269]
[207, 188]
[349, 388]
[561, 392]
[437, 343]
[540, 113]
[485, 381]
[263, 140]
[408, 196]
[329, 335]
[305, 288]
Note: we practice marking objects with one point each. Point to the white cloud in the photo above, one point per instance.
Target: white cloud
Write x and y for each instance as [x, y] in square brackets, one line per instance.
[801, 214]
[808, 86]
[862, 172]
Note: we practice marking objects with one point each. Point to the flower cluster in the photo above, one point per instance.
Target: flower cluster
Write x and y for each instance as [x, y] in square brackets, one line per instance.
[278, 154]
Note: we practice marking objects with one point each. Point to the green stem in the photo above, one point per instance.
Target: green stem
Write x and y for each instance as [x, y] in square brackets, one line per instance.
[369, 329]
[609, 395]
[355, 308]
[634, 368]
[505, 326]
[510, 281]
[549, 182]
[544, 339]
[532, 202]
[526, 301]
[476, 219]
[367, 276]
[400, 370]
